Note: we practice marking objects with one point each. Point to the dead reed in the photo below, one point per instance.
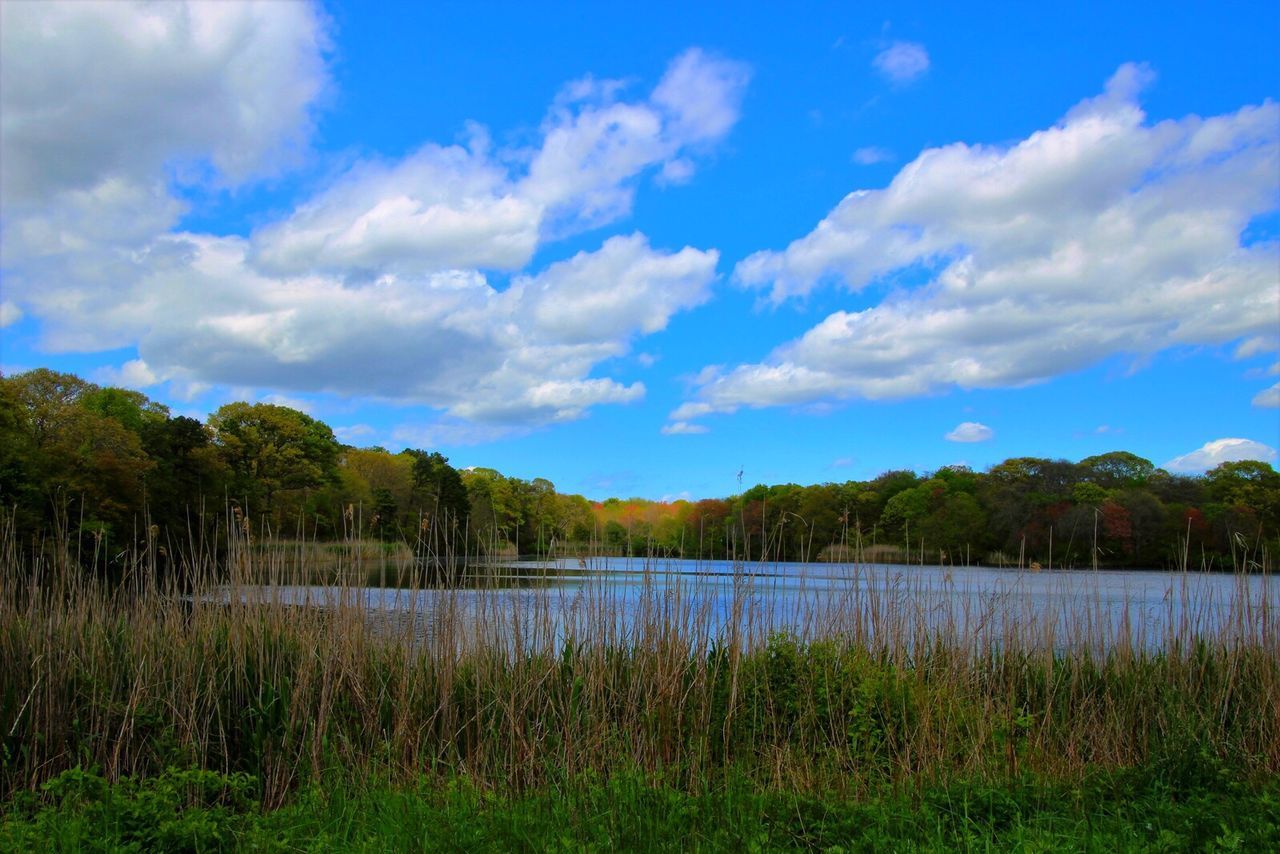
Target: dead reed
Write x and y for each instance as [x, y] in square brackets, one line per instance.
[198, 654]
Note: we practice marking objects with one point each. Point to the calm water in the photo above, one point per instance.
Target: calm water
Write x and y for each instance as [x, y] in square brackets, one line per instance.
[546, 602]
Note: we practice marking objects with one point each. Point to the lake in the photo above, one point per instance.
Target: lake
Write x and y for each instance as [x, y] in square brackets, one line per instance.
[626, 600]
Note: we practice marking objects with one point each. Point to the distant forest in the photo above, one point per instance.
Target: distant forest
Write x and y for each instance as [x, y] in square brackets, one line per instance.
[111, 465]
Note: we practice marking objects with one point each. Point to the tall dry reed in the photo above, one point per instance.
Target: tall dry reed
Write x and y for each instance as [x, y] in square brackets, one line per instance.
[199, 653]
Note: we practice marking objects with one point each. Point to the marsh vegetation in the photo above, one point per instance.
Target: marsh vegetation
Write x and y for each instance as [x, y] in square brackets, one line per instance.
[528, 713]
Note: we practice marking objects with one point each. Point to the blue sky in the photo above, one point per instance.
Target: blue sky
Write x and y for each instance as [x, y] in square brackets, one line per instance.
[625, 249]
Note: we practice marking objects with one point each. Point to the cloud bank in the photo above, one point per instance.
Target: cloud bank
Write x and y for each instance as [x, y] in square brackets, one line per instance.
[1220, 451]
[379, 284]
[1104, 234]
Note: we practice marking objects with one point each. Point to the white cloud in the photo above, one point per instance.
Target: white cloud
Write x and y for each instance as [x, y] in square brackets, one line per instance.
[1257, 345]
[189, 390]
[134, 373]
[459, 207]
[523, 355]
[871, 155]
[1103, 234]
[683, 428]
[287, 401]
[449, 431]
[353, 432]
[375, 286]
[1221, 451]
[437, 209]
[902, 62]
[1268, 397]
[10, 314]
[970, 431]
[691, 409]
[99, 99]
[593, 144]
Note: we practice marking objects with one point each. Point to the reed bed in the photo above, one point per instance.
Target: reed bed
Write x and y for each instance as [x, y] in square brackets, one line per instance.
[197, 654]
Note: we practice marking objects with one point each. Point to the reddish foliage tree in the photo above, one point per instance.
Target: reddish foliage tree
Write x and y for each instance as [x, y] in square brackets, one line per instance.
[1117, 525]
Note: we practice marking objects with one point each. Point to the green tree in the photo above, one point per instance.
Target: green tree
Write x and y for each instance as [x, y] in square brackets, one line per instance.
[273, 451]
[1116, 470]
[1244, 501]
[188, 470]
[439, 489]
[956, 524]
[134, 410]
[79, 461]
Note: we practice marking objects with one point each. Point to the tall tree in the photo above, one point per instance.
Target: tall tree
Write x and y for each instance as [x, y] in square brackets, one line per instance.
[272, 450]
[1117, 470]
[438, 488]
[80, 460]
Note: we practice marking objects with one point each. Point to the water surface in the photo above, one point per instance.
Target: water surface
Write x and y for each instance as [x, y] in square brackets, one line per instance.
[622, 600]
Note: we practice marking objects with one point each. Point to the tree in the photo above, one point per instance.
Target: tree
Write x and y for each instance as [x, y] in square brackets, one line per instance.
[272, 450]
[438, 489]
[495, 510]
[574, 519]
[1024, 498]
[17, 484]
[1117, 526]
[1117, 470]
[133, 409]
[907, 508]
[1088, 494]
[385, 511]
[957, 522]
[1245, 482]
[1245, 500]
[77, 459]
[187, 469]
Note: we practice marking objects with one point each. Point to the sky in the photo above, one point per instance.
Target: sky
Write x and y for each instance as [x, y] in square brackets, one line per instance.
[665, 250]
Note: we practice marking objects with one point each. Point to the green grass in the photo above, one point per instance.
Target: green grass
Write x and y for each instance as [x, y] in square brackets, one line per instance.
[1134, 810]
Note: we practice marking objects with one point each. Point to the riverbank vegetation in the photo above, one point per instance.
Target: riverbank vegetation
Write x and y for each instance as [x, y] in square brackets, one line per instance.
[1146, 809]
[151, 714]
[114, 463]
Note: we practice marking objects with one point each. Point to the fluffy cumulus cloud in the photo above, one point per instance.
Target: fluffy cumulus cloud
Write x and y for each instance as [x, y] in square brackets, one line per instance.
[132, 374]
[902, 62]
[467, 206]
[970, 431]
[1220, 451]
[100, 100]
[1103, 234]
[450, 339]
[379, 284]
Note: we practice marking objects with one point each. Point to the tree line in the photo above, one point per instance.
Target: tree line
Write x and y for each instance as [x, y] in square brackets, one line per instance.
[112, 464]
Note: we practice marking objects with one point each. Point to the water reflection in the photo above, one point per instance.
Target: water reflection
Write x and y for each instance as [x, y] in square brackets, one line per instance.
[621, 601]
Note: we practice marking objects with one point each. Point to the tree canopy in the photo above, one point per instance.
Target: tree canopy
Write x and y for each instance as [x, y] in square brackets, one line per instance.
[116, 461]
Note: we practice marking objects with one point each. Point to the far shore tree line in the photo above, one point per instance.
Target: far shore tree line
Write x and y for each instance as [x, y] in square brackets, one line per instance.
[109, 464]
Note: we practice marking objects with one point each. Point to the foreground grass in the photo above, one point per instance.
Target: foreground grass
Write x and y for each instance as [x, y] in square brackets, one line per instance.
[1195, 806]
[885, 720]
